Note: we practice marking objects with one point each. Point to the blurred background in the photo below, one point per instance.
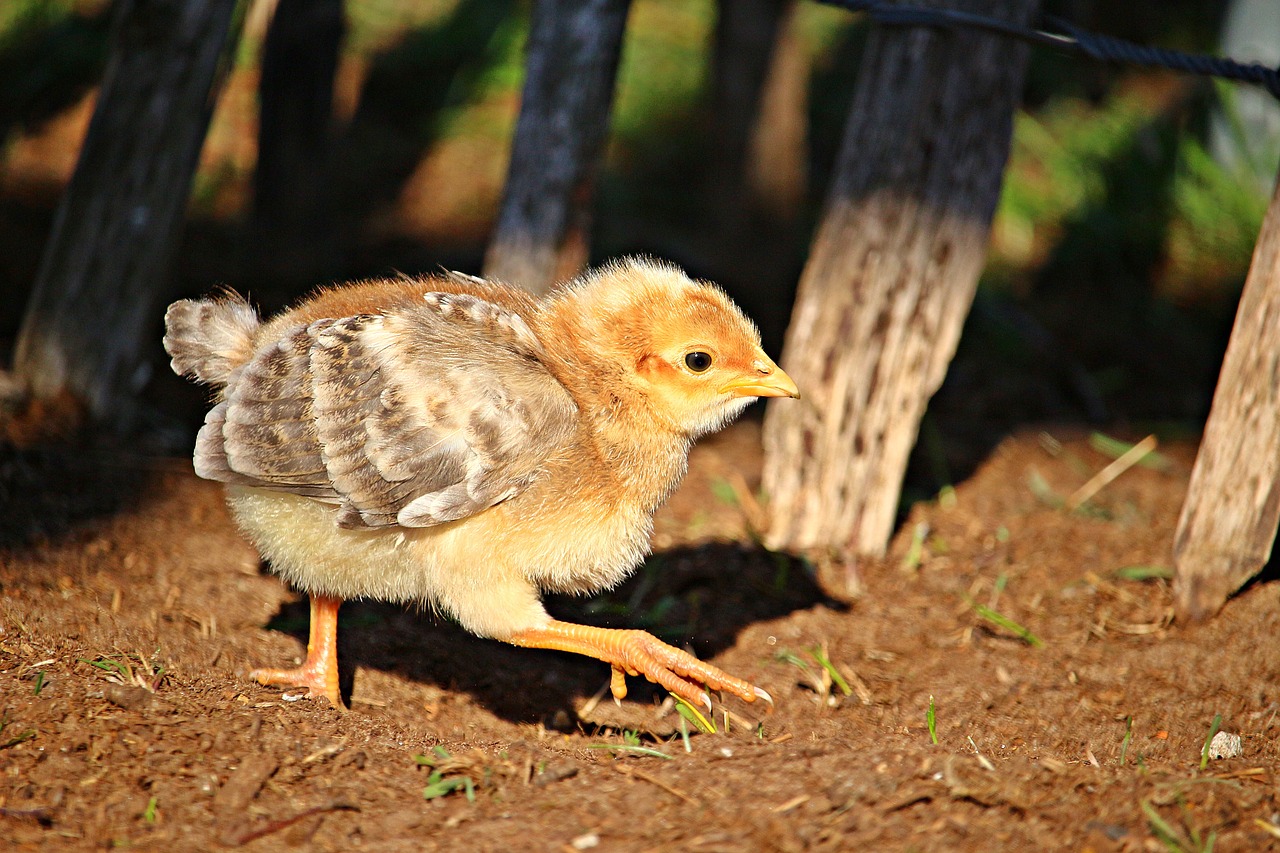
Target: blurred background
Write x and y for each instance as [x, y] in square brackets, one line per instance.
[1129, 213]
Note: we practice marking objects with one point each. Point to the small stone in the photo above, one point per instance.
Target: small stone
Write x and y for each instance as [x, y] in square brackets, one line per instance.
[130, 697]
[585, 842]
[555, 772]
[1225, 745]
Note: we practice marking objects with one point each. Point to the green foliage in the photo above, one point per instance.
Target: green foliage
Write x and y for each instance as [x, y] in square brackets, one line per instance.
[50, 53]
[446, 775]
[1124, 188]
[664, 65]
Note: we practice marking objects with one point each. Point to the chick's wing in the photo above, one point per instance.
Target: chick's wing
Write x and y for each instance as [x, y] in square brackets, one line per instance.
[415, 417]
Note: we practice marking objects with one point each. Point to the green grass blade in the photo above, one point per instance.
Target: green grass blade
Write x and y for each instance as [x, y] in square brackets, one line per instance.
[997, 618]
[1168, 836]
[694, 716]
[638, 750]
[1143, 573]
[821, 657]
[1204, 750]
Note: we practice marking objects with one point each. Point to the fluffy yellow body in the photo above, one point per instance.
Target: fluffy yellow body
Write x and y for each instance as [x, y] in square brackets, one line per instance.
[453, 442]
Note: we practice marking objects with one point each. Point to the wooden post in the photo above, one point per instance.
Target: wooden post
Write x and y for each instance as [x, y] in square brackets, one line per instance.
[1229, 518]
[890, 279]
[544, 221]
[103, 269]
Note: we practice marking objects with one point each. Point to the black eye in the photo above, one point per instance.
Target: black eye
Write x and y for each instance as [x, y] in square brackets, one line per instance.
[698, 362]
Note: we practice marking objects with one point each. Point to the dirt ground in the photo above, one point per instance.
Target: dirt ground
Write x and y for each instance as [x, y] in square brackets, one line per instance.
[129, 620]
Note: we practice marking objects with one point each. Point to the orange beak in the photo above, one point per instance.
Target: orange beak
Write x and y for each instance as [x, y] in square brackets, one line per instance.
[767, 380]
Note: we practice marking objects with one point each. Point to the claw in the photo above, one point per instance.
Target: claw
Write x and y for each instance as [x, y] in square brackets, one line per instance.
[319, 673]
[618, 685]
[638, 653]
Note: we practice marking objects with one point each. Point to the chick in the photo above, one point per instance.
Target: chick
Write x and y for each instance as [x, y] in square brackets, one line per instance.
[455, 442]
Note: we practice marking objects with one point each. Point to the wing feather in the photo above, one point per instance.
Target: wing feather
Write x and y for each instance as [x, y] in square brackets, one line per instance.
[418, 416]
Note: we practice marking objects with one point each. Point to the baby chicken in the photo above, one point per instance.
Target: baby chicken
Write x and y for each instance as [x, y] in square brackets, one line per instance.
[456, 442]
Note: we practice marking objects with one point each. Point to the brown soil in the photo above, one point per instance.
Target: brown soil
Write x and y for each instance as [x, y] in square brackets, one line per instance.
[141, 566]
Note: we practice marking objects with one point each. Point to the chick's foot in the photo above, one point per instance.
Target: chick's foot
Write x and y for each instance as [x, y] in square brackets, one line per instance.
[640, 653]
[319, 673]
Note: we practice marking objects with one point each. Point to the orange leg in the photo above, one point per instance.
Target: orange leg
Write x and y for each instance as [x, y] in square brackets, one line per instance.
[319, 674]
[638, 653]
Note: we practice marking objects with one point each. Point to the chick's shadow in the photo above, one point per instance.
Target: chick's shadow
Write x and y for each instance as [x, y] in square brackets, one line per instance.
[696, 598]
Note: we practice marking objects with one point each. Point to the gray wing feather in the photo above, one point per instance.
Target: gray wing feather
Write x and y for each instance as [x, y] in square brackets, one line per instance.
[415, 418]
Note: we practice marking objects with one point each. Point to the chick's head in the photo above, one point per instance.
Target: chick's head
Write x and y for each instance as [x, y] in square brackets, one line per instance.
[688, 349]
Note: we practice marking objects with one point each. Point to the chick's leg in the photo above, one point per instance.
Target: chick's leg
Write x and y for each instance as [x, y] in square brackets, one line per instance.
[639, 653]
[319, 673]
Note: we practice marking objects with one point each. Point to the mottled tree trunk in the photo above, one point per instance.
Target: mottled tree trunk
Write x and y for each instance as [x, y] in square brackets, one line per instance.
[890, 278]
[291, 231]
[1229, 518]
[544, 222]
[103, 270]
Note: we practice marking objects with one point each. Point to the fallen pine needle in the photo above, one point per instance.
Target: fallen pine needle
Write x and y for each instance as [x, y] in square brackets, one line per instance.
[1267, 827]
[42, 815]
[590, 704]
[654, 780]
[982, 759]
[1103, 478]
[1247, 773]
[637, 750]
[285, 823]
[791, 804]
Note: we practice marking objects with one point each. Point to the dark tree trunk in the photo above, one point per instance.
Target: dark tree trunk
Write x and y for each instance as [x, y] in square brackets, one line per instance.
[104, 268]
[1229, 518]
[745, 36]
[890, 278]
[544, 222]
[292, 219]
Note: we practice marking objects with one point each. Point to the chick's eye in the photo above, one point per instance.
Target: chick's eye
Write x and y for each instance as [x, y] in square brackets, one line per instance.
[697, 361]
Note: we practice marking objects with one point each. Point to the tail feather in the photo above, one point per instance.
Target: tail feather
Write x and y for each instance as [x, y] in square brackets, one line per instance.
[208, 338]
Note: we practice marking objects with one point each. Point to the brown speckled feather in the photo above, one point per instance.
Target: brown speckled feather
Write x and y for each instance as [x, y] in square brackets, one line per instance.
[422, 415]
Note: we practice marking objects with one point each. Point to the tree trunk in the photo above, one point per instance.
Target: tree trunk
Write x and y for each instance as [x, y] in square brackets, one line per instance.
[1229, 518]
[777, 164]
[745, 36]
[890, 278]
[104, 267]
[292, 222]
[544, 221]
